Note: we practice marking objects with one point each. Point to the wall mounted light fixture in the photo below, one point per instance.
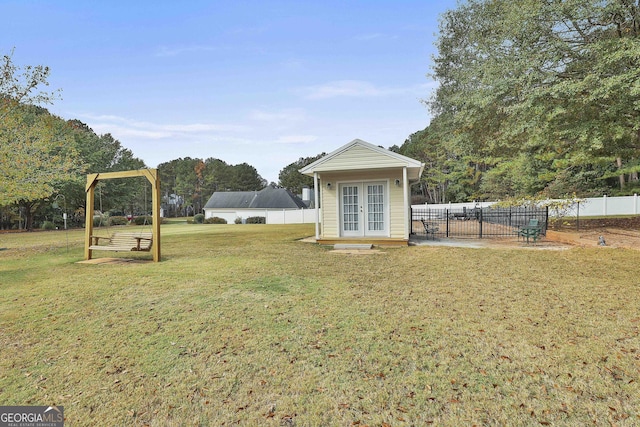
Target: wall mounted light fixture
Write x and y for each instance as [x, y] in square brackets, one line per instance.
[397, 183]
[328, 186]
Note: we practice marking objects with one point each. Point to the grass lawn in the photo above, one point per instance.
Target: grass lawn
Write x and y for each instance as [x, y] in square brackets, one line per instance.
[244, 324]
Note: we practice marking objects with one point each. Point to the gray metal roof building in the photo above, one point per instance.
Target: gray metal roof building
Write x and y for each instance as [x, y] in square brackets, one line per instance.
[267, 198]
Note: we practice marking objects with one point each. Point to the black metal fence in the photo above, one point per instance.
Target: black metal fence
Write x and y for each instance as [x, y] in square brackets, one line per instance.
[475, 222]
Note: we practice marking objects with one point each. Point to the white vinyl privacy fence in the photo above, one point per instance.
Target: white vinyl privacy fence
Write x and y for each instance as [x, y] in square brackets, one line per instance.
[591, 206]
[272, 216]
[605, 206]
[301, 216]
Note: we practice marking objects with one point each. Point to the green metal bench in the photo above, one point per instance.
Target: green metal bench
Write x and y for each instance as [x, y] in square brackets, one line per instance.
[530, 231]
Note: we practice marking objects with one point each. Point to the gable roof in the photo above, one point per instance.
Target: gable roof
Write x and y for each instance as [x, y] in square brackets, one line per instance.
[267, 198]
[361, 155]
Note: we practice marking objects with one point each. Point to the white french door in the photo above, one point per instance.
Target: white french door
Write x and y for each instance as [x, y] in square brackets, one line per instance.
[363, 209]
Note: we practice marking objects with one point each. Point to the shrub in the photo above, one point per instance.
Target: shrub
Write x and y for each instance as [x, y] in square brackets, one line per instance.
[142, 220]
[99, 221]
[198, 218]
[58, 219]
[215, 220]
[48, 225]
[256, 220]
[238, 220]
[118, 220]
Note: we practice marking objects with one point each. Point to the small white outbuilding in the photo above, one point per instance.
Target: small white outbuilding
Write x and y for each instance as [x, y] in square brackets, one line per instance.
[364, 193]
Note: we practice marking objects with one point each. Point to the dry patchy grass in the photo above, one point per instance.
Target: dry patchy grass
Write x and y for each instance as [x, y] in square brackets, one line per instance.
[244, 324]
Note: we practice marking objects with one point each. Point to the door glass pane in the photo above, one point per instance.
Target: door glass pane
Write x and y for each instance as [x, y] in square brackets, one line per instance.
[375, 207]
[350, 207]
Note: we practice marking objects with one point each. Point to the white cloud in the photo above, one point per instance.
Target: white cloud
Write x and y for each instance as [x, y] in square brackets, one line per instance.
[122, 127]
[356, 89]
[286, 115]
[350, 88]
[296, 139]
[124, 133]
[202, 127]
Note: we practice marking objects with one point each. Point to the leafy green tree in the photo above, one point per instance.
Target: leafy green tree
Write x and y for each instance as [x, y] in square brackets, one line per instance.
[42, 155]
[450, 175]
[294, 181]
[34, 146]
[22, 85]
[188, 183]
[246, 178]
[542, 90]
[104, 153]
[194, 180]
[184, 182]
[218, 175]
[167, 172]
[36, 151]
[131, 195]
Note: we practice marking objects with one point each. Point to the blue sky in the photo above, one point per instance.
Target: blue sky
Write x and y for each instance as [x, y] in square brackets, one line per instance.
[261, 82]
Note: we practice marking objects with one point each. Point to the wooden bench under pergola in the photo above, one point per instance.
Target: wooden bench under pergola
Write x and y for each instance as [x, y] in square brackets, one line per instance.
[136, 241]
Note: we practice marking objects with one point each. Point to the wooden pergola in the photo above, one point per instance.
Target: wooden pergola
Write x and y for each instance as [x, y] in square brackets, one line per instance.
[93, 179]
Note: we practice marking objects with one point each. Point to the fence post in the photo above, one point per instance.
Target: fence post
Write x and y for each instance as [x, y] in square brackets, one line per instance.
[604, 205]
[546, 220]
[578, 217]
[447, 214]
[481, 222]
[410, 219]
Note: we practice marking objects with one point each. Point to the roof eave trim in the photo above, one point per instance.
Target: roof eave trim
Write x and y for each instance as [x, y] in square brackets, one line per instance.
[311, 168]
